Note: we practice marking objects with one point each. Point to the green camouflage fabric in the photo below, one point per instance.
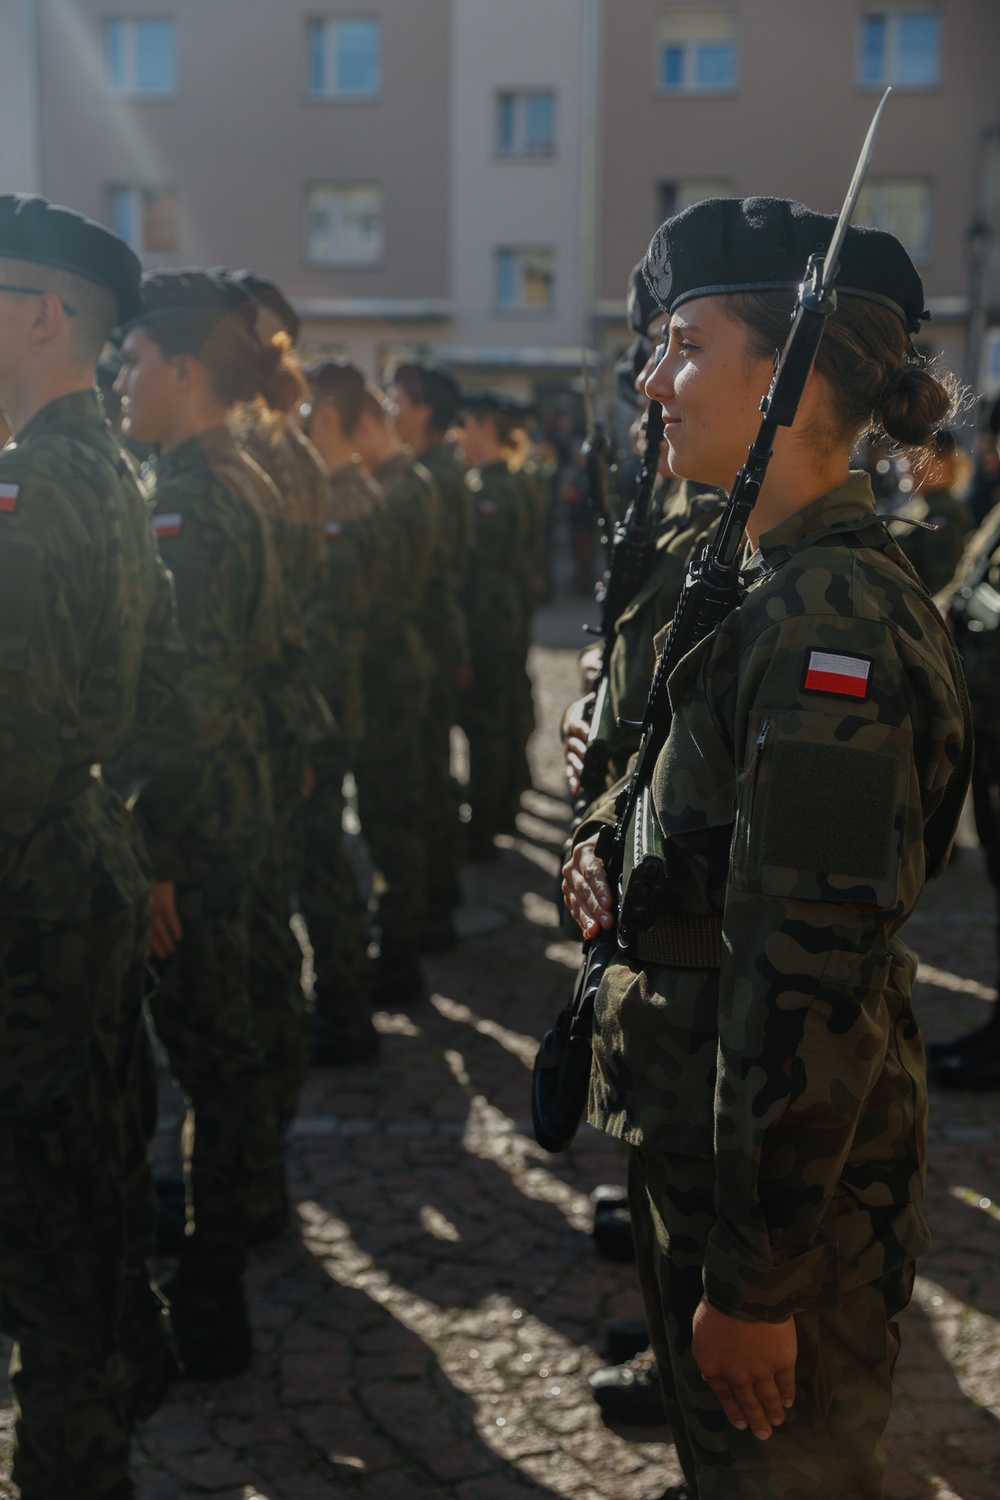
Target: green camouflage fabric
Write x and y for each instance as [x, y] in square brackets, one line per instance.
[328, 889]
[832, 1446]
[297, 717]
[90, 655]
[534, 491]
[794, 800]
[214, 802]
[398, 668]
[937, 553]
[207, 817]
[687, 519]
[494, 603]
[444, 629]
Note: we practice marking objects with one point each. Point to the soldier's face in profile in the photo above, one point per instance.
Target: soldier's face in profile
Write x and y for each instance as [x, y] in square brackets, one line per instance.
[710, 387]
[404, 415]
[148, 388]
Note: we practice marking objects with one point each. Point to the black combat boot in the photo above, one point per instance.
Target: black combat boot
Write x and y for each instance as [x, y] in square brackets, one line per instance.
[612, 1231]
[629, 1393]
[971, 1061]
[209, 1315]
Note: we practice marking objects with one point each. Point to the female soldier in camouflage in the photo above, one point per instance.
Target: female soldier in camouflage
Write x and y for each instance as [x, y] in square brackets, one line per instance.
[187, 360]
[772, 1090]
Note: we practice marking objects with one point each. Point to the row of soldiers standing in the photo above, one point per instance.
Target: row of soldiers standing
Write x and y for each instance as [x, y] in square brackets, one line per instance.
[179, 705]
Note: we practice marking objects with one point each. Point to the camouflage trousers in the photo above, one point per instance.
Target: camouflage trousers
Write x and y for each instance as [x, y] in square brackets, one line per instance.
[831, 1444]
[331, 903]
[204, 1019]
[442, 825]
[488, 710]
[391, 779]
[274, 960]
[75, 1198]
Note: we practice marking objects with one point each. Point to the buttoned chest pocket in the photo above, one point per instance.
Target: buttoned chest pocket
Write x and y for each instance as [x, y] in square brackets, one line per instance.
[822, 809]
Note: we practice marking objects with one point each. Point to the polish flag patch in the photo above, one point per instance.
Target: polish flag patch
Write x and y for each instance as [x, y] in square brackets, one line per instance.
[167, 525]
[332, 530]
[843, 676]
[8, 498]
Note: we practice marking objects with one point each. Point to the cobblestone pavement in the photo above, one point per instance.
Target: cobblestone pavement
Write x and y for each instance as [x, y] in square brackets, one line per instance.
[428, 1329]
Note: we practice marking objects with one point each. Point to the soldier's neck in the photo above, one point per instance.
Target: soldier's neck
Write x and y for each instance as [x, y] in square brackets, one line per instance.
[38, 388]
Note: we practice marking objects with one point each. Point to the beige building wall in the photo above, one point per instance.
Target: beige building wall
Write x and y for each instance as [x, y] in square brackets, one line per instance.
[794, 123]
[518, 201]
[241, 142]
[19, 165]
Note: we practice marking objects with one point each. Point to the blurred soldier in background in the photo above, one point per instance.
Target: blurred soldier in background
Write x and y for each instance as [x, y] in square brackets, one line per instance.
[935, 546]
[423, 404]
[336, 915]
[188, 359]
[971, 604]
[494, 605]
[297, 720]
[90, 653]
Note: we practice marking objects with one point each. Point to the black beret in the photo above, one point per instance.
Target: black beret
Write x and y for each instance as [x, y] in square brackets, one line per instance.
[35, 230]
[629, 366]
[326, 375]
[486, 404]
[641, 305]
[267, 293]
[193, 302]
[757, 244]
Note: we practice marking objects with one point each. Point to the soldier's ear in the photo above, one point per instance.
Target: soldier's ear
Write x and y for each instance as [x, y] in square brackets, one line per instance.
[50, 317]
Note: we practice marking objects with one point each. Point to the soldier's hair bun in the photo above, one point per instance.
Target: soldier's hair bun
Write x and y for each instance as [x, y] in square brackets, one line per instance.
[914, 404]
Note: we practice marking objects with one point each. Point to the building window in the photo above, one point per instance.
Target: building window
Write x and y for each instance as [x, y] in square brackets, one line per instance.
[697, 50]
[902, 205]
[525, 280]
[145, 218]
[526, 123]
[140, 58]
[344, 226]
[901, 48]
[343, 59]
[673, 197]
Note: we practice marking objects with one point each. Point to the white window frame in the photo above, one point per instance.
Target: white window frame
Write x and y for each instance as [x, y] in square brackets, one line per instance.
[129, 87]
[344, 262]
[523, 309]
[690, 86]
[137, 192]
[921, 255]
[892, 14]
[521, 149]
[328, 90]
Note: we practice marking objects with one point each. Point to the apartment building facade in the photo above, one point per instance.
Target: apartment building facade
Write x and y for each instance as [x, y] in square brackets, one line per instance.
[474, 178]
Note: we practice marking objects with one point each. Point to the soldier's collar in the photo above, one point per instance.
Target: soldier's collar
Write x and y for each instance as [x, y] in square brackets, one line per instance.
[78, 409]
[194, 452]
[852, 503]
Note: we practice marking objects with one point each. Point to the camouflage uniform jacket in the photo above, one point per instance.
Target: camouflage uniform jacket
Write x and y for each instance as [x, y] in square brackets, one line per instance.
[443, 622]
[981, 648]
[493, 595]
[815, 734]
[535, 500]
[687, 520]
[212, 805]
[89, 652]
[934, 554]
[296, 714]
[336, 621]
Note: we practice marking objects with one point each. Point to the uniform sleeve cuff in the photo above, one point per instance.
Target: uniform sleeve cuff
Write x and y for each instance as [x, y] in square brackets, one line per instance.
[770, 1294]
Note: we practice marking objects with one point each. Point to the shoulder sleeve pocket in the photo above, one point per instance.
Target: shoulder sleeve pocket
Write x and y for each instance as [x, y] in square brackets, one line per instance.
[20, 579]
[821, 809]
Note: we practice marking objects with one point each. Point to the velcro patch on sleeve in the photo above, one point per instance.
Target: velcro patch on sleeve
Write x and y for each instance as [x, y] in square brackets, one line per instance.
[833, 811]
[837, 675]
[167, 525]
[8, 498]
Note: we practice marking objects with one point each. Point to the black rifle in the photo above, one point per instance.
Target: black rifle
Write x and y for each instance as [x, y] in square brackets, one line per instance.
[711, 591]
[631, 563]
